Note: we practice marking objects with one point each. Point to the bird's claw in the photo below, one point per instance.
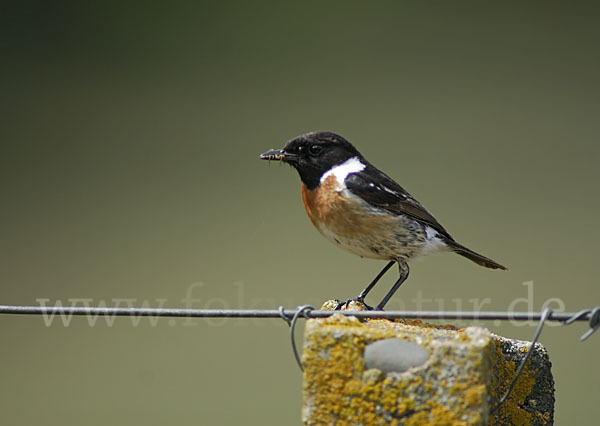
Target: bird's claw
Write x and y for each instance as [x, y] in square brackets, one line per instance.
[357, 304]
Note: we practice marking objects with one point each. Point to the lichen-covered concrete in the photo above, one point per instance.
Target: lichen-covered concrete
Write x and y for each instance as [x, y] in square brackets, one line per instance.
[466, 372]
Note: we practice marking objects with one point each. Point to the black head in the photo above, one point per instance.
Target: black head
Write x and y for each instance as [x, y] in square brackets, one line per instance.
[313, 154]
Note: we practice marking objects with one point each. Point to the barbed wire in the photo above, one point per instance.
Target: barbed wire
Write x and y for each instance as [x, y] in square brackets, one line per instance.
[564, 317]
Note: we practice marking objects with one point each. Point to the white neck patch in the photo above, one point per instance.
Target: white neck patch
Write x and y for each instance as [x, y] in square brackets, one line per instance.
[351, 165]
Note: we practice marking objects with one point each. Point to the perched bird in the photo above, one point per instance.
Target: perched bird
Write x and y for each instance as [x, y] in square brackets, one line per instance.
[362, 210]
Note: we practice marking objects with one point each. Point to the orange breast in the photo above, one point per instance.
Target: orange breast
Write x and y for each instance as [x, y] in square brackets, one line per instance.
[345, 218]
[355, 226]
[321, 201]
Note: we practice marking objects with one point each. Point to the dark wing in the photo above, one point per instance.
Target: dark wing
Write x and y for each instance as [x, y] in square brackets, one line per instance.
[379, 190]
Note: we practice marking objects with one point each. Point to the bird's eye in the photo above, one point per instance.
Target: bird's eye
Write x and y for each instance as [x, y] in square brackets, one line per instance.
[315, 149]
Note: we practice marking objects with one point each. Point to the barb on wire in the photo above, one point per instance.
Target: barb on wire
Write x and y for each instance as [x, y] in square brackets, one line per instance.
[592, 314]
[594, 323]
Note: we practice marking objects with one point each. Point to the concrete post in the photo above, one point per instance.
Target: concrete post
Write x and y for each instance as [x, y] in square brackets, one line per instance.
[406, 372]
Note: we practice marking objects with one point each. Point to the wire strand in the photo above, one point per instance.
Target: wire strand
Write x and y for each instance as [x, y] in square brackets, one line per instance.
[289, 313]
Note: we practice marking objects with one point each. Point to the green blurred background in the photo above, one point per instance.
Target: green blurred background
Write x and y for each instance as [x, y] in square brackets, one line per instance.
[129, 169]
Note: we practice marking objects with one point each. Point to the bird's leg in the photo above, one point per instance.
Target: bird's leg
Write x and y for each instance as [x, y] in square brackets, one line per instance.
[363, 294]
[361, 297]
[403, 268]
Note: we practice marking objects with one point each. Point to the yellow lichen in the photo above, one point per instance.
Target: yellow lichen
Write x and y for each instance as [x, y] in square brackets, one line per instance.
[475, 394]
[512, 409]
[436, 415]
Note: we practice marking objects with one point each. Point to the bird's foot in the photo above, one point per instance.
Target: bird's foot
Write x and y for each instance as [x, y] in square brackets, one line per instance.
[357, 304]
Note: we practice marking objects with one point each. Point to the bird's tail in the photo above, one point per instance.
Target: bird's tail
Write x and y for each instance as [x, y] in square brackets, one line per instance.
[475, 257]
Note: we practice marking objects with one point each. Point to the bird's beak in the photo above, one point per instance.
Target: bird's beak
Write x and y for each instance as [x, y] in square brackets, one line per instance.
[279, 155]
